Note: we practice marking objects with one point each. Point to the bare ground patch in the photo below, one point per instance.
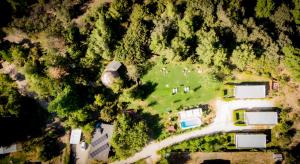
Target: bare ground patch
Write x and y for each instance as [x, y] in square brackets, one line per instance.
[233, 157]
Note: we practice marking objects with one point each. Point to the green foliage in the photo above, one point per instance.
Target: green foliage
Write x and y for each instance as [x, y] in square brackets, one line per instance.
[264, 8]
[132, 47]
[243, 56]
[18, 55]
[282, 18]
[10, 99]
[130, 135]
[107, 114]
[292, 61]
[208, 51]
[6, 55]
[64, 103]
[212, 143]
[280, 134]
[296, 11]
[99, 42]
[120, 8]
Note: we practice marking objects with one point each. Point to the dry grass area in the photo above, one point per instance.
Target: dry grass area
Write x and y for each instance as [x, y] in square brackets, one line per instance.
[233, 157]
[289, 97]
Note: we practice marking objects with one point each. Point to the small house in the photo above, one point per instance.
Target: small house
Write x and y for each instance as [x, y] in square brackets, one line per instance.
[75, 136]
[250, 141]
[110, 73]
[249, 91]
[261, 118]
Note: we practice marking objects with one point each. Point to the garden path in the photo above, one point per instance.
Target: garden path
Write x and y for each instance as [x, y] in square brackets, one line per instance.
[222, 123]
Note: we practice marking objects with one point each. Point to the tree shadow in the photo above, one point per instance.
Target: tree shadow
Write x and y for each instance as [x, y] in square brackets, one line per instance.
[152, 103]
[197, 88]
[153, 122]
[178, 157]
[30, 123]
[143, 91]
[227, 38]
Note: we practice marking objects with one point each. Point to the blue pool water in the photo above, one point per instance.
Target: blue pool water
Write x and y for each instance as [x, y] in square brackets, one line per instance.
[189, 124]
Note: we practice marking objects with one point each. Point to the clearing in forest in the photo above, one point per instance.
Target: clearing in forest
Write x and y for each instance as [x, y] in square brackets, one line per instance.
[174, 86]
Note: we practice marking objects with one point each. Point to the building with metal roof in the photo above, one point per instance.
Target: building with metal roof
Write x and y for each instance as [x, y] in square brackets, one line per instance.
[261, 118]
[249, 91]
[9, 149]
[75, 136]
[249, 141]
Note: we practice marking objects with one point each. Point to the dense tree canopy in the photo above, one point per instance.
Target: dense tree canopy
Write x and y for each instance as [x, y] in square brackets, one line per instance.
[63, 46]
[130, 135]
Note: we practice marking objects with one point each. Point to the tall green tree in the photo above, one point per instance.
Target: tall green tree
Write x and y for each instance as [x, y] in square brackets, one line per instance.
[129, 136]
[292, 61]
[243, 56]
[264, 8]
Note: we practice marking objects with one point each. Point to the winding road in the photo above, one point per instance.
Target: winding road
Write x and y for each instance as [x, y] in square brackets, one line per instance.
[222, 123]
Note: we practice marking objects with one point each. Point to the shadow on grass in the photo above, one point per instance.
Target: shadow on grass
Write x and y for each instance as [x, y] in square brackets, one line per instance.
[153, 123]
[152, 103]
[143, 91]
[197, 88]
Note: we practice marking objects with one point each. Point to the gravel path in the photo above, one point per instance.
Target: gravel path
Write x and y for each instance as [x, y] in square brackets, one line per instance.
[222, 123]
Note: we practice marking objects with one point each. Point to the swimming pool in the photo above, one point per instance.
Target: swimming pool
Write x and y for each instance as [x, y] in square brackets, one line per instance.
[186, 124]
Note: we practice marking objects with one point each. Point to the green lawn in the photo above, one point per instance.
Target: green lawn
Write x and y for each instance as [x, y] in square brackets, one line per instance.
[203, 87]
[238, 117]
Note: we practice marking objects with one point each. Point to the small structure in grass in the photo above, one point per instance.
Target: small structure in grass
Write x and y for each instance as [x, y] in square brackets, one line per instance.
[171, 129]
[110, 74]
[186, 89]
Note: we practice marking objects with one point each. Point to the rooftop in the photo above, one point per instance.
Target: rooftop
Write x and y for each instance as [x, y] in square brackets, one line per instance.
[113, 66]
[10, 149]
[249, 91]
[75, 136]
[248, 141]
[261, 118]
[100, 142]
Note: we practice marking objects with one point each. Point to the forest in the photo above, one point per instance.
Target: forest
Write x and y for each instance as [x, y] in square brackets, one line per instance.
[62, 47]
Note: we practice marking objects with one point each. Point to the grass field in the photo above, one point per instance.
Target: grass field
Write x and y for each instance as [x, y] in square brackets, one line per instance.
[163, 78]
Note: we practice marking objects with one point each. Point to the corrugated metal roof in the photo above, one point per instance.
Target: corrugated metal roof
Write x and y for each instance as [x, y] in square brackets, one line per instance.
[261, 118]
[75, 136]
[248, 141]
[250, 91]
